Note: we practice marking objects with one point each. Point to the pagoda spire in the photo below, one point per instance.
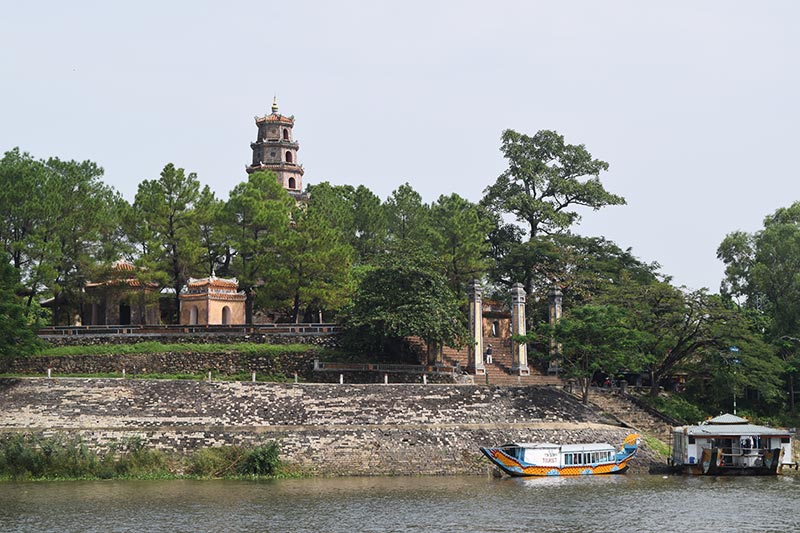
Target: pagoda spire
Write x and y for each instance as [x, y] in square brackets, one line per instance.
[275, 104]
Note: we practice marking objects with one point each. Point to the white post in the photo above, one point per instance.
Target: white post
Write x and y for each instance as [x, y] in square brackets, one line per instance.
[49, 372]
[295, 377]
[341, 379]
[424, 379]
[386, 379]
[123, 372]
[519, 349]
[209, 375]
[254, 376]
[475, 364]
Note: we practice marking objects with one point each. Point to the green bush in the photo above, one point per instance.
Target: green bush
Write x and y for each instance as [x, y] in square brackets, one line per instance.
[215, 462]
[31, 457]
[261, 461]
[676, 407]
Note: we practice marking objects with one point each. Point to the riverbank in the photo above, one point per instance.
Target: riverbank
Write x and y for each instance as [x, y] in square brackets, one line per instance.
[322, 429]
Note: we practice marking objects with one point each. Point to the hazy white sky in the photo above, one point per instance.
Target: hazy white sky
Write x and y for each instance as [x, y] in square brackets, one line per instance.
[694, 104]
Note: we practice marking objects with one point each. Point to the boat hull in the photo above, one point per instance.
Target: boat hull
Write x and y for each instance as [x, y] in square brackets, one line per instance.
[515, 467]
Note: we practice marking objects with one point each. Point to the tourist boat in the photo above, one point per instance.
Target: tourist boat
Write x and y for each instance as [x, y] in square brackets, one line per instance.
[543, 459]
[729, 444]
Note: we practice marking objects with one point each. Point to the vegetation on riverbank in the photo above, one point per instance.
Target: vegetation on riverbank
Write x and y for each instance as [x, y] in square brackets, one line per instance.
[27, 456]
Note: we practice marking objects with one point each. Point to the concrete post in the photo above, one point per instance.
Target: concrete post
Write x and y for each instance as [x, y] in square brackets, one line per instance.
[519, 350]
[475, 365]
[554, 298]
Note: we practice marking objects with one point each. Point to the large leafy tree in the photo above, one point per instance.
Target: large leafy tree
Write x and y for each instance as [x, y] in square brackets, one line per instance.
[215, 252]
[460, 239]
[257, 212]
[677, 325]
[404, 297]
[356, 213]
[165, 209]
[545, 180]
[17, 327]
[596, 338]
[22, 196]
[408, 219]
[312, 269]
[761, 273]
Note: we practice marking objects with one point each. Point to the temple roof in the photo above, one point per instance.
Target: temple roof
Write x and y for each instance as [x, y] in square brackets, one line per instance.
[276, 117]
[213, 281]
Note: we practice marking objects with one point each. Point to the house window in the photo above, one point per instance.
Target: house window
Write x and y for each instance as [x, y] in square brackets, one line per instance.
[288, 156]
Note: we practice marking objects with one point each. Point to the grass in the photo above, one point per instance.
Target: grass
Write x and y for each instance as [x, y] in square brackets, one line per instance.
[656, 445]
[676, 407]
[29, 457]
[158, 347]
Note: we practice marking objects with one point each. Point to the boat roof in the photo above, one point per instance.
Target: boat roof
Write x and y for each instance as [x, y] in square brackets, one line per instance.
[591, 447]
[711, 430]
[728, 418]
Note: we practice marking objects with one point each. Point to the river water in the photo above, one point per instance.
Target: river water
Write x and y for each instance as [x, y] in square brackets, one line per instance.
[407, 504]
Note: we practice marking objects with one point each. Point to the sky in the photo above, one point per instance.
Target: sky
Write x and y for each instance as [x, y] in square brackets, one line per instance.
[694, 104]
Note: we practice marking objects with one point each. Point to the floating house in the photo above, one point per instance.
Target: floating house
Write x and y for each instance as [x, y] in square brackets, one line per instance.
[729, 444]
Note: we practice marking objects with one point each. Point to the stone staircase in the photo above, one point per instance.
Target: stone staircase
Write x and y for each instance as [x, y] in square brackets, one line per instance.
[499, 371]
[626, 411]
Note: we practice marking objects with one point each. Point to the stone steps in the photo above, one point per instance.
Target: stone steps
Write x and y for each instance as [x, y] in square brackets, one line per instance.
[630, 414]
[499, 371]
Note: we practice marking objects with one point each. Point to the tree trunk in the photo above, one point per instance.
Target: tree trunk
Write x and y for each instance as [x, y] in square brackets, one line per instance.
[653, 385]
[248, 306]
[584, 384]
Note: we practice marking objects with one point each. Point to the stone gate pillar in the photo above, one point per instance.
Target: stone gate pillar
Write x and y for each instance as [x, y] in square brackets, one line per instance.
[554, 297]
[476, 328]
[519, 350]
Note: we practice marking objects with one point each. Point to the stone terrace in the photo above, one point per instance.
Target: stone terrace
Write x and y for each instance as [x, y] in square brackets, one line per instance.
[330, 429]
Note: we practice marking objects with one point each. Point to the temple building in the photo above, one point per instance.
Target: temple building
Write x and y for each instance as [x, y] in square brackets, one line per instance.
[212, 300]
[276, 150]
[121, 299]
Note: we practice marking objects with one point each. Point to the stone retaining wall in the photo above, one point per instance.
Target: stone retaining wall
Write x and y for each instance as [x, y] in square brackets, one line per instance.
[330, 340]
[168, 362]
[322, 428]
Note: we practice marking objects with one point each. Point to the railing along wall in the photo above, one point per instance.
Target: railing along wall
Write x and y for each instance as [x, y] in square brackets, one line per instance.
[321, 366]
[183, 329]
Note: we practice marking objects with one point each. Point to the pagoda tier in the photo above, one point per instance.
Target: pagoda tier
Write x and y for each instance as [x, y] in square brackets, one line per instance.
[274, 150]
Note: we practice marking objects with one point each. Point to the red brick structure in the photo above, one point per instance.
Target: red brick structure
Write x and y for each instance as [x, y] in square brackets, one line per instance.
[212, 300]
[276, 151]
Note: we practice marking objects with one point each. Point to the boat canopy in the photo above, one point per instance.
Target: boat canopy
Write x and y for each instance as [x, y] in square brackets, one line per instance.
[593, 447]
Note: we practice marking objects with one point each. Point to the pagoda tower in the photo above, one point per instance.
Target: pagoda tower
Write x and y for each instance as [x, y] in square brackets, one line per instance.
[276, 151]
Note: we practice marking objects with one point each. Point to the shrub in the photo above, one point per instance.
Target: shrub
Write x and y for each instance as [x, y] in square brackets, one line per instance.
[215, 462]
[261, 461]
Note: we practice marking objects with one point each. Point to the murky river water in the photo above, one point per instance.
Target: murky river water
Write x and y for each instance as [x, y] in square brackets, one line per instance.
[418, 504]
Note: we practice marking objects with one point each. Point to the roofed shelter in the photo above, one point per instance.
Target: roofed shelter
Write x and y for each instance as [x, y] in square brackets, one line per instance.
[122, 299]
[212, 300]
